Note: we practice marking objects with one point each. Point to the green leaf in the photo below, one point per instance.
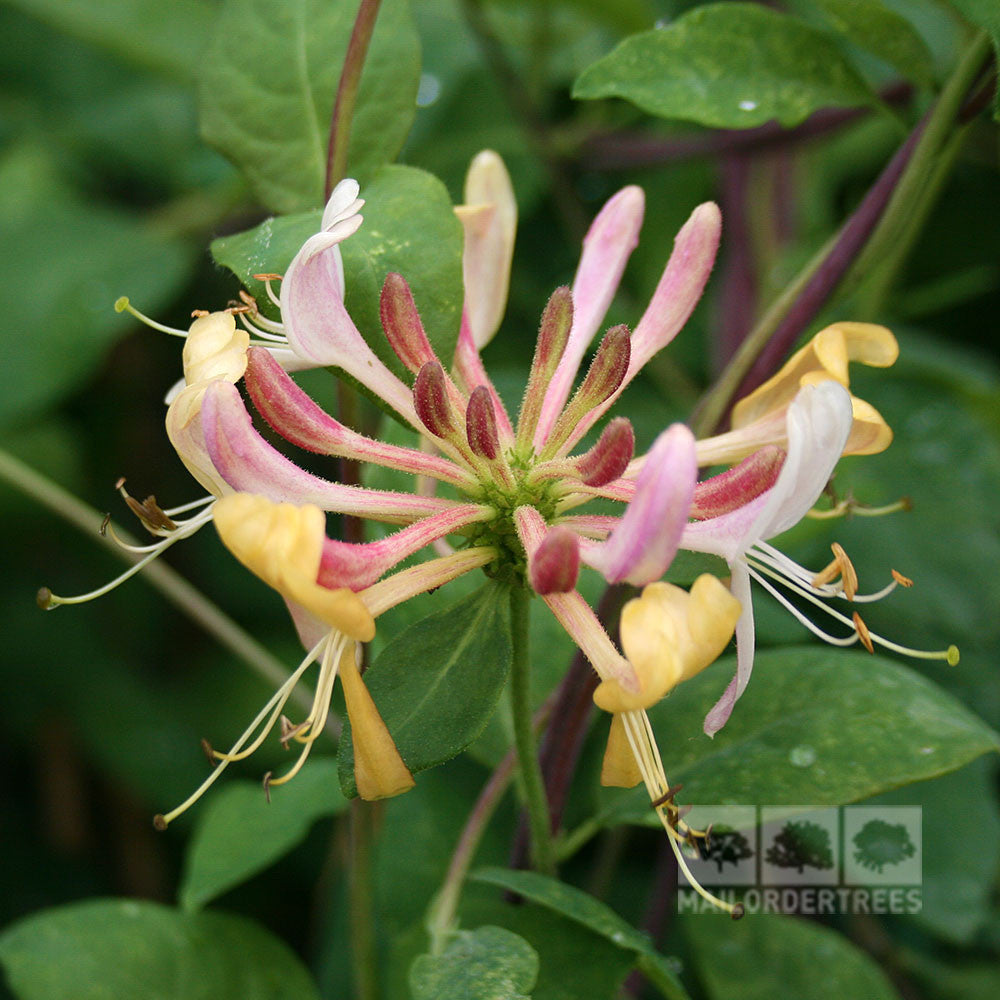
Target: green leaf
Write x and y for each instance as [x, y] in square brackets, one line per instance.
[133, 950]
[488, 963]
[728, 65]
[582, 908]
[240, 833]
[268, 84]
[814, 725]
[957, 883]
[883, 32]
[61, 322]
[410, 227]
[438, 682]
[746, 959]
[165, 38]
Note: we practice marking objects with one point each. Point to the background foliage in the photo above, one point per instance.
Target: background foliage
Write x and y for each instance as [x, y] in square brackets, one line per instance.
[134, 135]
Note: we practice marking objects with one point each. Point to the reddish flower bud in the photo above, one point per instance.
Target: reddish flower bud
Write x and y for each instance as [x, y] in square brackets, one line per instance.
[556, 562]
[553, 335]
[609, 458]
[402, 325]
[430, 400]
[608, 368]
[739, 485]
[481, 424]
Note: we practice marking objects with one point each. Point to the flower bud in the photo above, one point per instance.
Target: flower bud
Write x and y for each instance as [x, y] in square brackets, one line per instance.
[402, 325]
[609, 458]
[430, 400]
[555, 564]
[481, 424]
[738, 486]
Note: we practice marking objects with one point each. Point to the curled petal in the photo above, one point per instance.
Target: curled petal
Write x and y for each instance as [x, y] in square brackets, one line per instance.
[215, 347]
[719, 714]
[817, 424]
[319, 328]
[249, 463]
[187, 435]
[607, 247]
[643, 545]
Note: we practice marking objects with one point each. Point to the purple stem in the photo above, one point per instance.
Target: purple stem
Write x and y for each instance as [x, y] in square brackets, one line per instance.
[621, 150]
[658, 910]
[853, 236]
[739, 274]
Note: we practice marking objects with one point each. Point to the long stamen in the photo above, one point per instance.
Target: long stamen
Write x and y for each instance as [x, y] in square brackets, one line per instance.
[647, 757]
[192, 505]
[123, 305]
[47, 600]
[257, 329]
[950, 655]
[851, 506]
[162, 820]
[267, 279]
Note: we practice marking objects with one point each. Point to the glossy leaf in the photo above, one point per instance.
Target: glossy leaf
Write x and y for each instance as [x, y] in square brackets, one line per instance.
[747, 958]
[581, 907]
[437, 683]
[267, 89]
[240, 833]
[488, 963]
[880, 30]
[728, 65]
[136, 950]
[409, 227]
[819, 726]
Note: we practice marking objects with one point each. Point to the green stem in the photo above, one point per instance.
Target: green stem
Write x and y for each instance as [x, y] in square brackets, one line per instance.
[922, 166]
[168, 582]
[907, 193]
[347, 93]
[532, 782]
[364, 958]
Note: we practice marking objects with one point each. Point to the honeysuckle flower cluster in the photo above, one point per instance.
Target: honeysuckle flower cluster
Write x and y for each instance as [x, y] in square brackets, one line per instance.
[513, 488]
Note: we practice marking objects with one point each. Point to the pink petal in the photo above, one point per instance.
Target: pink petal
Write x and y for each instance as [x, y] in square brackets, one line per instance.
[250, 464]
[294, 415]
[719, 714]
[607, 246]
[676, 295]
[645, 542]
[319, 328]
[346, 564]
[469, 369]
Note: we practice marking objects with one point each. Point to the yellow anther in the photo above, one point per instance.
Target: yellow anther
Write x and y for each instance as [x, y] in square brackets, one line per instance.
[863, 634]
[903, 581]
[840, 566]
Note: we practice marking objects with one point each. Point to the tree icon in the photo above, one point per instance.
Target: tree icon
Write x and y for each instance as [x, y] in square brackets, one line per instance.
[800, 845]
[879, 844]
[725, 846]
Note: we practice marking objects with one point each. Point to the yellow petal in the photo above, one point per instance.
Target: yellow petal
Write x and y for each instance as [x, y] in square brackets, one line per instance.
[619, 769]
[712, 616]
[215, 348]
[341, 609]
[379, 771]
[826, 356]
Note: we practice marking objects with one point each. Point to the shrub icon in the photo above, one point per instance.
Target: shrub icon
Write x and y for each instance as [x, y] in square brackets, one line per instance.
[800, 845]
[725, 846]
[879, 844]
